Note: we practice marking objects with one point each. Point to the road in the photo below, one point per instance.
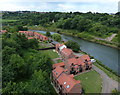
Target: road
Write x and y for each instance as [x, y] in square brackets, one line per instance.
[108, 83]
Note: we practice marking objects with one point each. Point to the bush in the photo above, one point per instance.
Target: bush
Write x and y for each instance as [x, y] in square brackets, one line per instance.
[57, 37]
[48, 34]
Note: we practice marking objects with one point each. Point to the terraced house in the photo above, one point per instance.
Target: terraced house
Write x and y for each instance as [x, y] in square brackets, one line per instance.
[32, 35]
[65, 84]
[63, 73]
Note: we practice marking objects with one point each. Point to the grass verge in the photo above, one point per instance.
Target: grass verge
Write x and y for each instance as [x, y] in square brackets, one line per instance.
[91, 82]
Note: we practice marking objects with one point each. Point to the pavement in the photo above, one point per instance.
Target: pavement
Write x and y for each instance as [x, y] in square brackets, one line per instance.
[108, 83]
[111, 37]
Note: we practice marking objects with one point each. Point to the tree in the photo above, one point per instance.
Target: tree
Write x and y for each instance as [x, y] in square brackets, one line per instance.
[57, 37]
[39, 83]
[48, 34]
[33, 43]
[73, 45]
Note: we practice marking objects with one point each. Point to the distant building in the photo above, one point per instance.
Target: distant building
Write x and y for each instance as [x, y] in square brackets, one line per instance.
[64, 51]
[35, 34]
[2, 31]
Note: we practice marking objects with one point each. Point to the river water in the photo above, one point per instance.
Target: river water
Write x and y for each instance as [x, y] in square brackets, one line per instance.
[107, 55]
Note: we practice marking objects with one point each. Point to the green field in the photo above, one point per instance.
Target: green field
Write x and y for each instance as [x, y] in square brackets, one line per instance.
[7, 20]
[51, 53]
[91, 82]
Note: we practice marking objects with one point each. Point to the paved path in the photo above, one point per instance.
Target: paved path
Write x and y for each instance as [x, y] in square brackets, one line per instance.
[108, 38]
[108, 83]
[111, 37]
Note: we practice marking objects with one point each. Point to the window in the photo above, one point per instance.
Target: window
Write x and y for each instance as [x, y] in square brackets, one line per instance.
[72, 69]
[64, 82]
[67, 86]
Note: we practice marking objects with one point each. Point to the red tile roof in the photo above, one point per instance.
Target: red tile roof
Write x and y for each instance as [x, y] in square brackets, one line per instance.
[84, 57]
[68, 82]
[57, 71]
[66, 51]
[58, 64]
[37, 35]
[75, 61]
[30, 37]
[59, 45]
[3, 31]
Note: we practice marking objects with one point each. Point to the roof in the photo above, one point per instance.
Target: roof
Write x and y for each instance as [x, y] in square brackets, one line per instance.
[30, 37]
[57, 71]
[62, 47]
[84, 57]
[58, 64]
[75, 61]
[3, 31]
[66, 51]
[67, 81]
[58, 45]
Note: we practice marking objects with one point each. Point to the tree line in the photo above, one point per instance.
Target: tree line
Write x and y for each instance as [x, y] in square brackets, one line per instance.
[97, 24]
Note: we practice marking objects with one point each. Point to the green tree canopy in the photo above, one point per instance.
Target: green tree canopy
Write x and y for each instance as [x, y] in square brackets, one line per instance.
[73, 45]
[48, 34]
[57, 37]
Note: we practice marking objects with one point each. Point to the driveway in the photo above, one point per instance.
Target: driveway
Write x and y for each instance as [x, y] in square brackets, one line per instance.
[108, 83]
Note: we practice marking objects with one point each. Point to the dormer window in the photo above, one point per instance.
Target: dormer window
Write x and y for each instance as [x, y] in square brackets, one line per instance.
[64, 82]
[68, 86]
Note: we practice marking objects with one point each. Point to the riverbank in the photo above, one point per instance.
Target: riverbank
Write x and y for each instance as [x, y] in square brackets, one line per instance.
[73, 34]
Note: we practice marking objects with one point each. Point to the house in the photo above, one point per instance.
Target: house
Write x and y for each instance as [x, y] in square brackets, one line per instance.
[57, 47]
[35, 34]
[2, 31]
[67, 53]
[44, 38]
[58, 64]
[64, 51]
[74, 65]
[65, 84]
[31, 38]
[86, 59]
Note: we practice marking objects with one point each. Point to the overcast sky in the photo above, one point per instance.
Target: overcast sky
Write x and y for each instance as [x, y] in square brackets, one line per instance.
[104, 6]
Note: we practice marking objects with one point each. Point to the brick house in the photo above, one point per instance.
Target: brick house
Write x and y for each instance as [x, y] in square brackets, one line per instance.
[74, 65]
[35, 34]
[65, 84]
[86, 59]
[58, 64]
[2, 31]
[57, 47]
[67, 53]
[31, 38]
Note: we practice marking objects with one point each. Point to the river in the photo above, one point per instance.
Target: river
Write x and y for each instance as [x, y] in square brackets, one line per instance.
[107, 55]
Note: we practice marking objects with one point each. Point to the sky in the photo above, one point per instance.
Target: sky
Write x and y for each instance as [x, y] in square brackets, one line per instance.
[102, 6]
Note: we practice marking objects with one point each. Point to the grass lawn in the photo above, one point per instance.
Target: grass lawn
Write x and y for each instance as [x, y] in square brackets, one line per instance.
[52, 54]
[91, 82]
